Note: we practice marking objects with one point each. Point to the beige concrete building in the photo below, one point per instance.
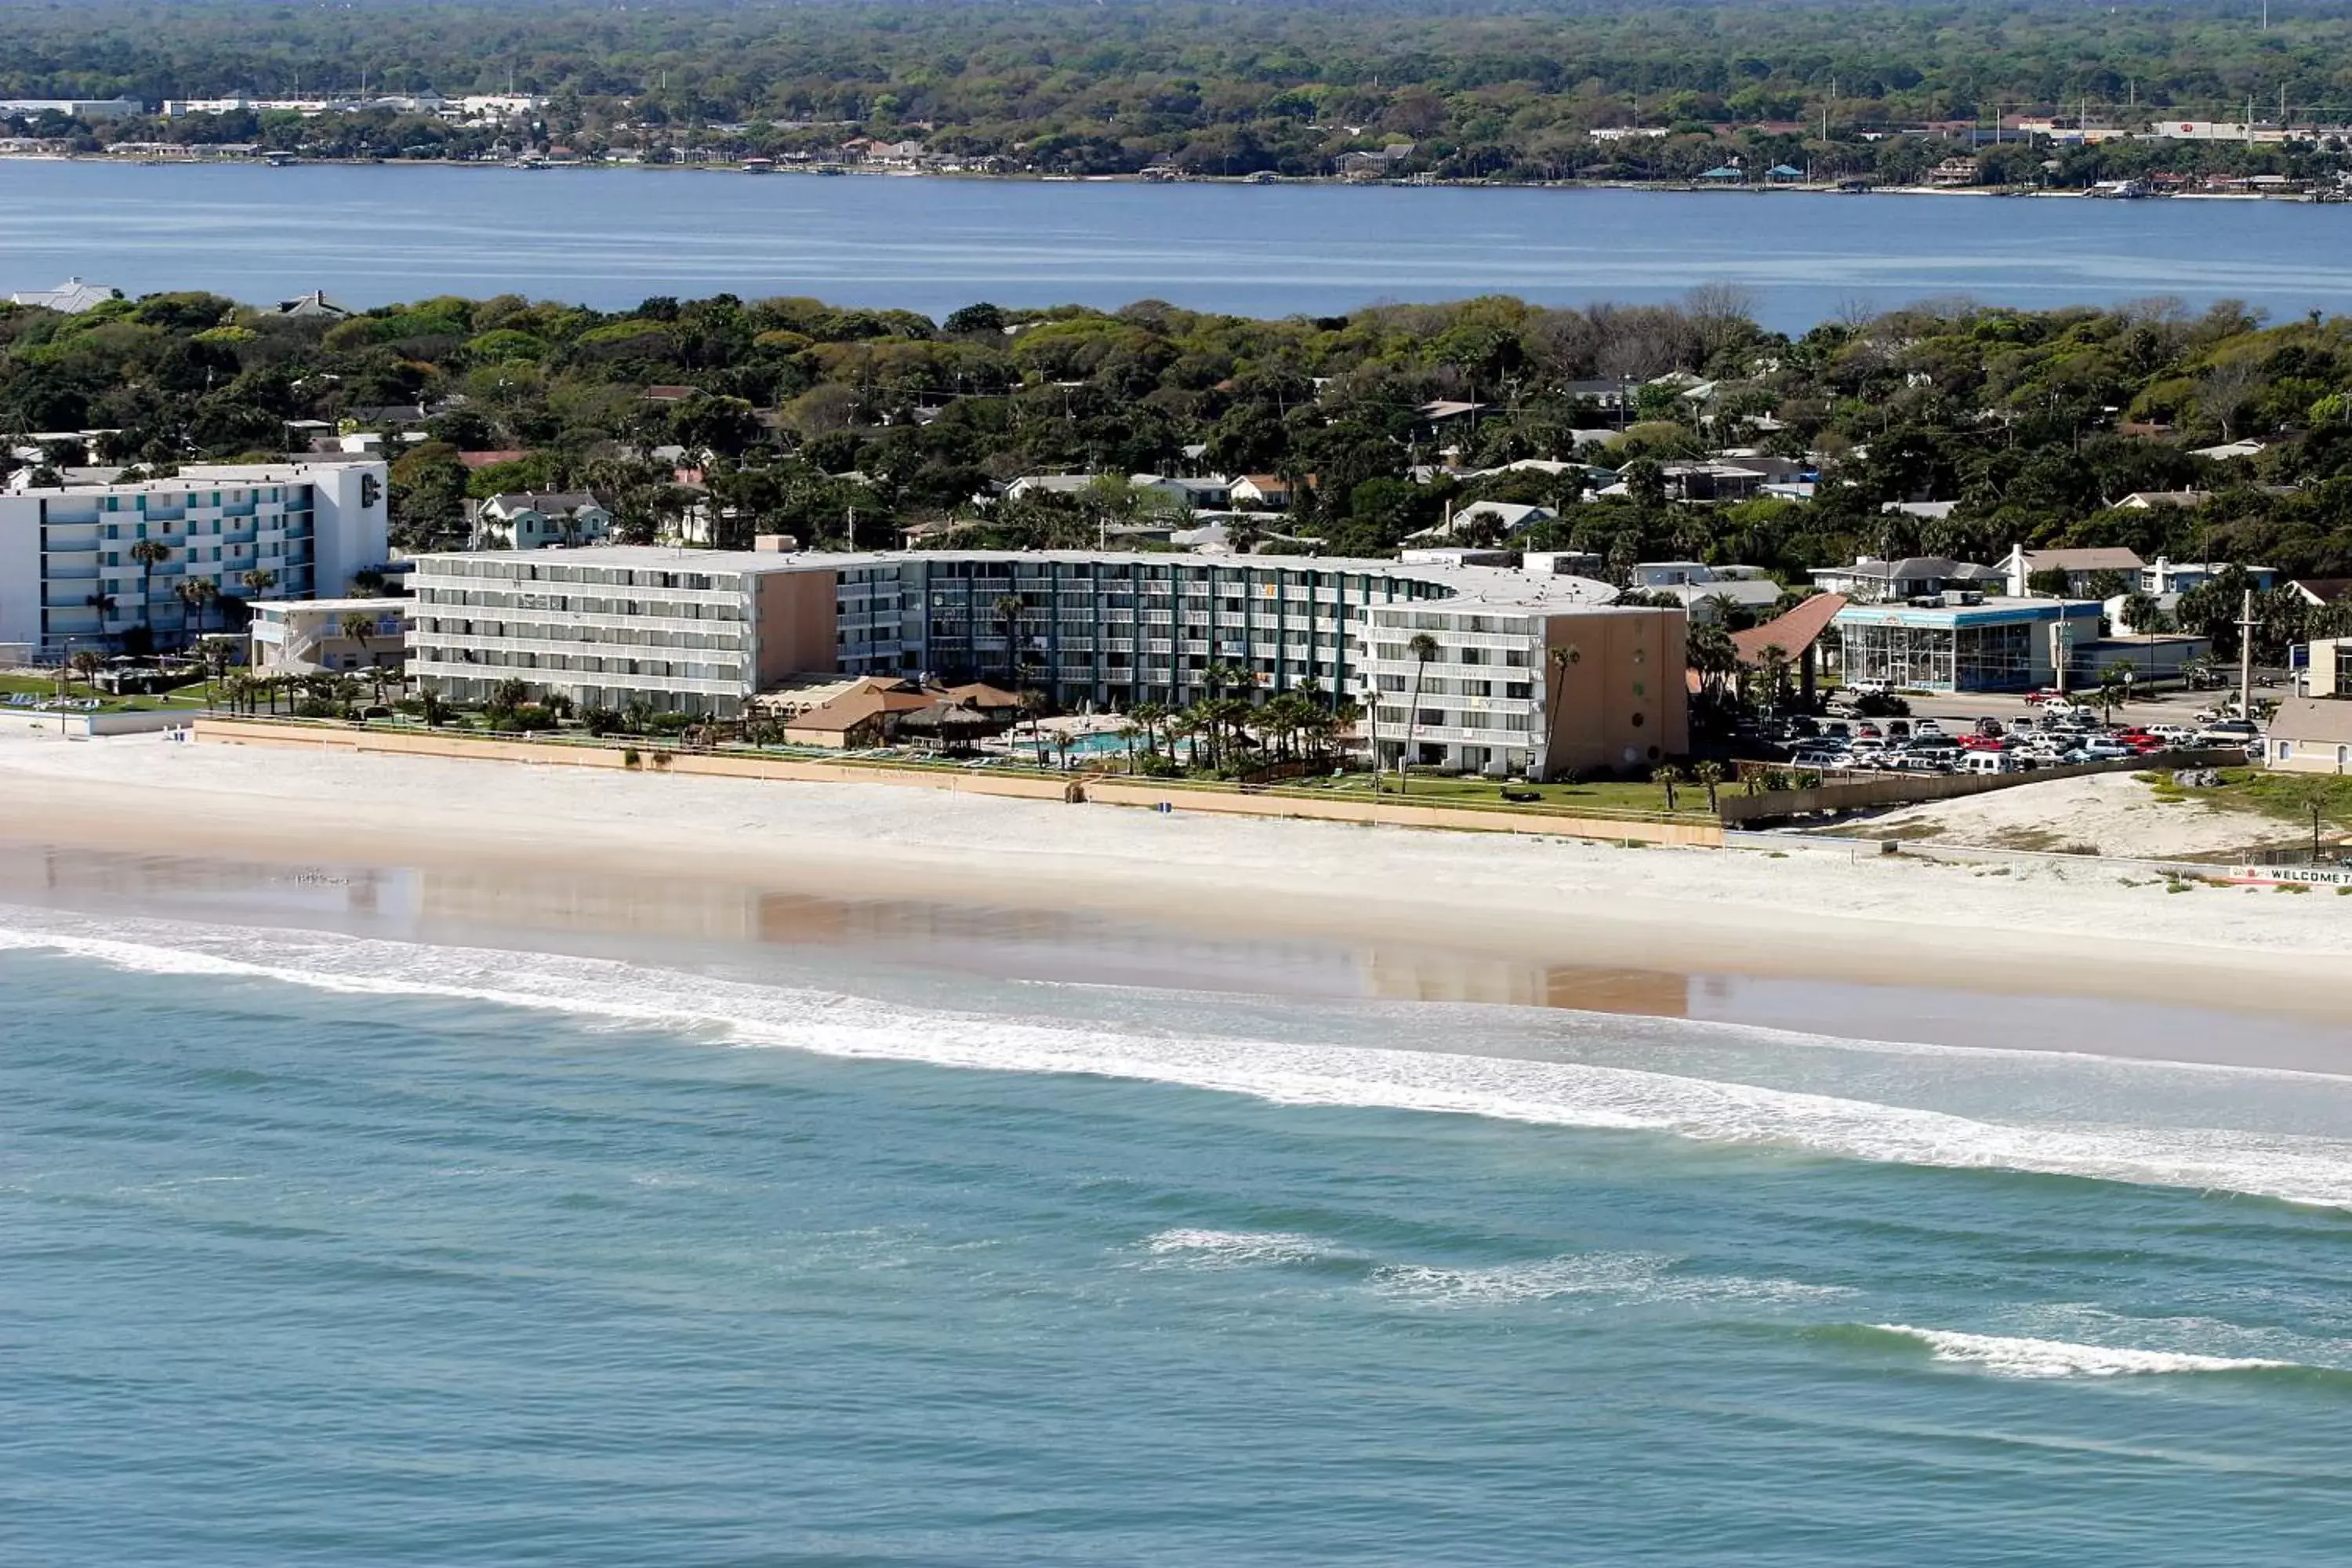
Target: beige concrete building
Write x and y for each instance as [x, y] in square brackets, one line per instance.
[2310, 735]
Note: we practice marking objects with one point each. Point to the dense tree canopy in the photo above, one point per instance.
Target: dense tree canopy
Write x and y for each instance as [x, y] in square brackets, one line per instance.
[1483, 88]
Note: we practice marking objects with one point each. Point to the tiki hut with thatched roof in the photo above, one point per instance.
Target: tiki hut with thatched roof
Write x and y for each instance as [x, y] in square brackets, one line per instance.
[950, 726]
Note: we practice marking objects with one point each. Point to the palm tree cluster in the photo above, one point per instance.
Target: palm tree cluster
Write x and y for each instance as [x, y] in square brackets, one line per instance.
[1226, 734]
[325, 695]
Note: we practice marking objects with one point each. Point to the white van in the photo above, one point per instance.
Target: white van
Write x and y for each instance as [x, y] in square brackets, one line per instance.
[1987, 762]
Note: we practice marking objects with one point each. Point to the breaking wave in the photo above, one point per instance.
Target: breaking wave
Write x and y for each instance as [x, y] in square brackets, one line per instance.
[2006, 1356]
[606, 993]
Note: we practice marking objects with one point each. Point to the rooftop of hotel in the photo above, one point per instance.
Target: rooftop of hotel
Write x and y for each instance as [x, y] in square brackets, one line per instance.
[205, 476]
[1496, 585]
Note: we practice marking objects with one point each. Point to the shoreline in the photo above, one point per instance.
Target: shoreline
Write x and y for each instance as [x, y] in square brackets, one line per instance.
[1796, 188]
[1579, 907]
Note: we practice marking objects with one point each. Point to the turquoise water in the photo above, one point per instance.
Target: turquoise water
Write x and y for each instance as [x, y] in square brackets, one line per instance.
[322, 1249]
[370, 236]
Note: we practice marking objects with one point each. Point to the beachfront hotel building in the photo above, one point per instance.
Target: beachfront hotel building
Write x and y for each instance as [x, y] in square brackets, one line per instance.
[706, 632]
[70, 579]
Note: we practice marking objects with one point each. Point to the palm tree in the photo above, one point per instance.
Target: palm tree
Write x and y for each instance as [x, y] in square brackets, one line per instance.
[197, 595]
[357, 627]
[1008, 614]
[149, 553]
[1774, 658]
[1709, 774]
[1712, 655]
[1147, 717]
[1423, 647]
[258, 581]
[2115, 690]
[1671, 777]
[1033, 707]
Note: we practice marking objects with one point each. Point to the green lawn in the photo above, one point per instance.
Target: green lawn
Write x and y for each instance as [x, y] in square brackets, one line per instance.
[2282, 797]
[43, 686]
[1611, 796]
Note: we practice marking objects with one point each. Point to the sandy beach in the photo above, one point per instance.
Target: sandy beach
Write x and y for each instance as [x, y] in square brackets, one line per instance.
[1815, 911]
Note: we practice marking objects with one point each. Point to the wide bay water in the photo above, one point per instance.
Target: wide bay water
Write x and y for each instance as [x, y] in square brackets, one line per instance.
[612, 237]
[327, 1246]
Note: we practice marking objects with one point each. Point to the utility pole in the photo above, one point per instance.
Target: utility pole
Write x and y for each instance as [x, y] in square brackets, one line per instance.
[2246, 625]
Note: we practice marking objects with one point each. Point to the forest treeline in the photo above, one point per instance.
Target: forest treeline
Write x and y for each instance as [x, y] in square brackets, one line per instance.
[794, 417]
[1483, 89]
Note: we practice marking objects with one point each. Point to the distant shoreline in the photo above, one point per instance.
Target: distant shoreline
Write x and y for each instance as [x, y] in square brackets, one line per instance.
[1805, 188]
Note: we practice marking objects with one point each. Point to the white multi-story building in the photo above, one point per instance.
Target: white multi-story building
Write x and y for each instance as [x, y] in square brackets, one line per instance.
[320, 636]
[70, 573]
[704, 631]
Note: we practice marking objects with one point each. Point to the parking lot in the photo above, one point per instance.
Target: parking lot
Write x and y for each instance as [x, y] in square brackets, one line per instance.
[2000, 734]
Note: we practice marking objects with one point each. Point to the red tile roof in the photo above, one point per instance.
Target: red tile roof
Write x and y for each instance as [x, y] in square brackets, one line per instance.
[1795, 632]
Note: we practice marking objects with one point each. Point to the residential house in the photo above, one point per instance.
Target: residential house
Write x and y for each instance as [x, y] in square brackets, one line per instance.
[1271, 491]
[1192, 495]
[2178, 576]
[1050, 484]
[540, 520]
[2150, 500]
[313, 306]
[70, 298]
[1709, 482]
[2310, 735]
[2227, 450]
[1871, 580]
[1924, 511]
[1705, 590]
[1480, 519]
[2084, 568]
[2320, 592]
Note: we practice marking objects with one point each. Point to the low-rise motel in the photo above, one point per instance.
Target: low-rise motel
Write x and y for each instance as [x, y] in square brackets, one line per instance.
[1531, 674]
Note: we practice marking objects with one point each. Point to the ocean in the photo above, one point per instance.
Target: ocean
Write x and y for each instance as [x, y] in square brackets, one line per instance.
[328, 1246]
[609, 238]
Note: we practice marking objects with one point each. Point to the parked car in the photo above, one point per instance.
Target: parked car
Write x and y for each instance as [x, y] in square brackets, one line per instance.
[2172, 734]
[1993, 762]
[2230, 733]
[2102, 749]
[1818, 759]
[1869, 689]
[1926, 727]
[1991, 729]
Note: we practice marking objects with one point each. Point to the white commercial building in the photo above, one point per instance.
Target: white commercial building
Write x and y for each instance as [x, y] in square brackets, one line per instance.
[327, 636]
[704, 631]
[70, 573]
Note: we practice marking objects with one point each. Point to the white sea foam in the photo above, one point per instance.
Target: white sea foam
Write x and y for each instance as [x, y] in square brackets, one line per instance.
[2012, 1357]
[1575, 1094]
[1637, 1277]
[1235, 1248]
